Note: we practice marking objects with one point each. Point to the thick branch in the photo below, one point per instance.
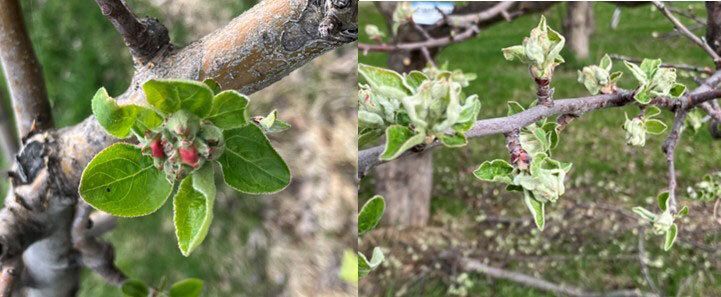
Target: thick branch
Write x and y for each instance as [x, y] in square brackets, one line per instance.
[144, 37]
[8, 142]
[22, 72]
[686, 32]
[95, 254]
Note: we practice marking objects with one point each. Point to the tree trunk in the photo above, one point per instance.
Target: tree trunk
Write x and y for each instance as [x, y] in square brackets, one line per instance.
[713, 37]
[579, 26]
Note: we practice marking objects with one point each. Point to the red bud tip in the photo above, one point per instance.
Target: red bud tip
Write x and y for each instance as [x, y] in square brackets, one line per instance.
[189, 155]
[157, 149]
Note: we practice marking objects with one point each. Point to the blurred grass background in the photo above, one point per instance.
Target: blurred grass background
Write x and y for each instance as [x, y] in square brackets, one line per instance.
[606, 173]
[80, 52]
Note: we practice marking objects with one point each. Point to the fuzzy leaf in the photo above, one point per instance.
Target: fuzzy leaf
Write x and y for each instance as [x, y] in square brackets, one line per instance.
[670, 237]
[370, 214]
[193, 208]
[213, 85]
[615, 76]
[414, 79]
[605, 63]
[642, 96]
[398, 140]
[251, 164]
[514, 107]
[121, 181]
[637, 72]
[365, 266]
[651, 111]
[135, 288]
[191, 287]
[683, 212]
[145, 119]
[116, 120]
[663, 200]
[169, 96]
[271, 123]
[368, 136]
[378, 77]
[677, 90]
[649, 66]
[453, 140]
[655, 127]
[644, 213]
[537, 209]
[495, 171]
[229, 110]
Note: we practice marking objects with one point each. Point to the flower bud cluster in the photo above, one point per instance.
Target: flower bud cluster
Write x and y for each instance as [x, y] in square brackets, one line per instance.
[182, 144]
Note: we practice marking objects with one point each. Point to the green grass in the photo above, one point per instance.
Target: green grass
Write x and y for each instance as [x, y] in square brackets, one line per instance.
[605, 169]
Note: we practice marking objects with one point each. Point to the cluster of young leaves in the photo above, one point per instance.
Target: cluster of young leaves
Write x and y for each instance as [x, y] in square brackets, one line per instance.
[188, 128]
[191, 287]
[663, 223]
[414, 108]
[654, 81]
[541, 50]
[542, 180]
[708, 189]
[598, 78]
[637, 127]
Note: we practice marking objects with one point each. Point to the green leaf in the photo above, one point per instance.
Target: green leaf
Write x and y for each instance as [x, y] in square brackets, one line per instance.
[250, 164]
[191, 287]
[135, 288]
[398, 140]
[663, 200]
[453, 140]
[651, 111]
[677, 90]
[495, 171]
[116, 120]
[552, 133]
[378, 77]
[605, 63]
[414, 79]
[537, 209]
[683, 212]
[368, 136]
[121, 181]
[365, 266]
[213, 85]
[370, 214]
[146, 119]
[615, 76]
[655, 127]
[349, 267]
[637, 72]
[271, 123]
[649, 66]
[229, 110]
[644, 213]
[514, 107]
[169, 96]
[193, 208]
[642, 96]
[670, 237]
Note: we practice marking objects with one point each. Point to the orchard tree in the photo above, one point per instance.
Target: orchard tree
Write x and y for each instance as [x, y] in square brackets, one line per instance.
[180, 127]
[415, 111]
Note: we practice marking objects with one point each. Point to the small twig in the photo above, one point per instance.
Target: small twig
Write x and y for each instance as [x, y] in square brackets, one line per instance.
[688, 14]
[544, 92]
[95, 254]
[686, 32]
[464, 20]
[688, 67]
[426, 53]
[144, 37]
[643, 261]
[519, 157]
[468, 33]
[669, 148]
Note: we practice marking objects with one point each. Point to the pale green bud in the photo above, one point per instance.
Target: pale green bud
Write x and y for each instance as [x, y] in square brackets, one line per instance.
[635, 131]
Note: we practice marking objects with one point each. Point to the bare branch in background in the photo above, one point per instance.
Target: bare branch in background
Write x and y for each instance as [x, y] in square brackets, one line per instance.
[669, 148]
[22, 72]
[144, 37]
[686, 32]
[643, 261]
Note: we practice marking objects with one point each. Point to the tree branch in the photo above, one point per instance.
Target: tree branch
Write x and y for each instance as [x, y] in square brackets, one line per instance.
[686, 32]
[95, 254]
[22, 72]
[144, 37]
[8, 142]
[469, 264]
[368, 158]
